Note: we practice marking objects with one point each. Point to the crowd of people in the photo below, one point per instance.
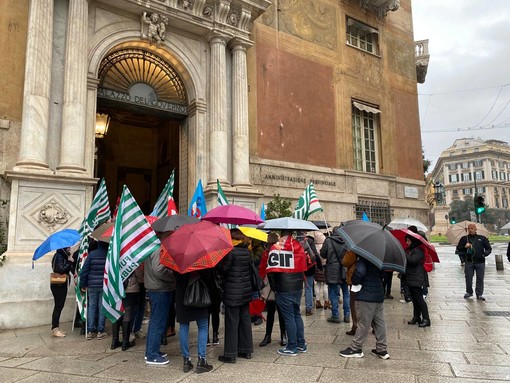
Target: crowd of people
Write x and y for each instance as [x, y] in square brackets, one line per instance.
[333, 276]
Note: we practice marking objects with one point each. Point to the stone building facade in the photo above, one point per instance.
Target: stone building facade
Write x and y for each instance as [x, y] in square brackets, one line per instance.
[264, 96]
[471, 161]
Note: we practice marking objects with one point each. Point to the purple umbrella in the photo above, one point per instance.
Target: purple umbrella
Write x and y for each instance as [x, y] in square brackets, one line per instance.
[233, 214]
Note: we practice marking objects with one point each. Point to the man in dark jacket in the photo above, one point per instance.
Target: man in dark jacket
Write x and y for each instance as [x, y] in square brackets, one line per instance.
[91, 280]
[369, 309]
[314, 262]
[474, 248]
[333, 251]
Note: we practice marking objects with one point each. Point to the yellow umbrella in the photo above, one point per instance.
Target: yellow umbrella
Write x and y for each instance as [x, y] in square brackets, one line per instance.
[254, 233]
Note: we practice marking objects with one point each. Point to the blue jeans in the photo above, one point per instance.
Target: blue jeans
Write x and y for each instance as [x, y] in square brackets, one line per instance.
[334, 294]
[95, 310]
[288, 303]
[203, 326]
[309, 292]
[160, 302]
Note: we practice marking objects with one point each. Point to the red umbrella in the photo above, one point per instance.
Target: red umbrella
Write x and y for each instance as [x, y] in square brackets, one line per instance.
[233, 214]
[196, 246]
[400, 234]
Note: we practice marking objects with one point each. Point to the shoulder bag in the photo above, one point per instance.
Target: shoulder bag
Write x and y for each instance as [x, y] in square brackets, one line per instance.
[197, 293]
[57, 278]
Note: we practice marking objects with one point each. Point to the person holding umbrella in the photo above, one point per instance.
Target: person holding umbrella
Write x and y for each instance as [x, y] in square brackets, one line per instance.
[235, 269]
[416, 278]
[62, 263]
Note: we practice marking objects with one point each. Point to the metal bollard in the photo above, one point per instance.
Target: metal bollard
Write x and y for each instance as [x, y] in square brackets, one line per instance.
[499, 262]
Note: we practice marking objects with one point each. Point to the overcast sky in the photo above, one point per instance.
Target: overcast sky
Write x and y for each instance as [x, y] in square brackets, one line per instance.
[468, 78]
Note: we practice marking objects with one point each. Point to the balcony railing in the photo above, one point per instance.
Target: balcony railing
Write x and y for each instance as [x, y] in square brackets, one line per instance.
[422, 59]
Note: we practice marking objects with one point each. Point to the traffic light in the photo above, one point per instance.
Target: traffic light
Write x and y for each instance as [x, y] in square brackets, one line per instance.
[479, 204]
[452, 220]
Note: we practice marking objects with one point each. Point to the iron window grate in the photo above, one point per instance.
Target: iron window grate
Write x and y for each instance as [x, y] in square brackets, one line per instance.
[497, 313]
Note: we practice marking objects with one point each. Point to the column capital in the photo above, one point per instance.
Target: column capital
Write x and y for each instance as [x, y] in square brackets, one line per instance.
[215, 36]
[239, 43]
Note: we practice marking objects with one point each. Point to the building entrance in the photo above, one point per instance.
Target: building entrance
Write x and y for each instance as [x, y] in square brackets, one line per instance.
[144, 100]
[140, 151]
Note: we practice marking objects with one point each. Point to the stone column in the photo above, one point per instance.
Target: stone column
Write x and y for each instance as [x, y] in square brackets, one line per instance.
[218, 153]
[240, 139]
[72, 149]
[36, 93]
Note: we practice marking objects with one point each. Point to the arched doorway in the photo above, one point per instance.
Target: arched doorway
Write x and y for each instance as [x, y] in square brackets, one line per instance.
[145, 102]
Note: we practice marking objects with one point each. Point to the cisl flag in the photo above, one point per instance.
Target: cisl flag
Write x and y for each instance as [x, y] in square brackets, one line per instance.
[132, 241]
[289, 258]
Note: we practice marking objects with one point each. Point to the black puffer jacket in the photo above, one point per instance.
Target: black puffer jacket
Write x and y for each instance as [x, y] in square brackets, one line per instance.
[60, 262]
[415, 275]
[333, 251]
[235, 269]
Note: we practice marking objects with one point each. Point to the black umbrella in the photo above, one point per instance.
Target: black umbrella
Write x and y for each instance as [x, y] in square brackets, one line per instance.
[374, 243]
[173, 222]
[321, 224]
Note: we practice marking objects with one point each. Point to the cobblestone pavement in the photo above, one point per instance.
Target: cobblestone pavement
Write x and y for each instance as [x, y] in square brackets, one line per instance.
[462, 345]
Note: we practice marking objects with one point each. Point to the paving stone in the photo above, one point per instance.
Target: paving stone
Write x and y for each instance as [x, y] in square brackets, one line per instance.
[482, 372]
[335, 376]
[8, 375]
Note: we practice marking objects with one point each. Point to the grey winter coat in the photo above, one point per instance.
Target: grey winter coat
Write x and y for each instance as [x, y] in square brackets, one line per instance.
[333, 250]
[156, 276]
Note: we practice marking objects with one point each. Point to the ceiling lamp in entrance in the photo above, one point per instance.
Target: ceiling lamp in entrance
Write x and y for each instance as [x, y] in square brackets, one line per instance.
[102, 122]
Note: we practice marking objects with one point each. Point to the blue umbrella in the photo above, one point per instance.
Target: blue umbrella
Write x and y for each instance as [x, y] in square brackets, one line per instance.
[59, 240]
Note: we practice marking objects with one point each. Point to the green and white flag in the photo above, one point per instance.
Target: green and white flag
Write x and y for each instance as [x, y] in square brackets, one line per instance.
[161, 207]
[98, 213]
[307, 204]
[132, 241]
[222, 198]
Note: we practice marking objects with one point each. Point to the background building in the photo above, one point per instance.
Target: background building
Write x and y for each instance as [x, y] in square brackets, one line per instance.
[264, 96]
[471, 160]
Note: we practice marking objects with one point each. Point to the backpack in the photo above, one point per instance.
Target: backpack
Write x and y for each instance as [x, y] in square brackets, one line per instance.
[428, 264]
[311, 258]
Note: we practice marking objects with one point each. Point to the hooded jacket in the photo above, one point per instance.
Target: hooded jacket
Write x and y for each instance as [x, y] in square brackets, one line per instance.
[92, 272]
[333, 250]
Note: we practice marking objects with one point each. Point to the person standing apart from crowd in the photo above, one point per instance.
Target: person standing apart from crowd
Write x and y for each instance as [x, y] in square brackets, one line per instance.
[416, 279]
[91, 281]
[475, 248]
[61, 263]
[369, 307]
[235, 269]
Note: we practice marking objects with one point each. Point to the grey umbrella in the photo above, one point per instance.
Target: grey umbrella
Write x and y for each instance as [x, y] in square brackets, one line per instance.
[173, 222]
[374, 243]
[288, 223]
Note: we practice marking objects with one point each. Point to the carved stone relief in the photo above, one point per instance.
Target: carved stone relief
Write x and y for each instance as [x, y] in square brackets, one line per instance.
[154, 28]
[208, 12]
[51, 215]
[380, 7]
